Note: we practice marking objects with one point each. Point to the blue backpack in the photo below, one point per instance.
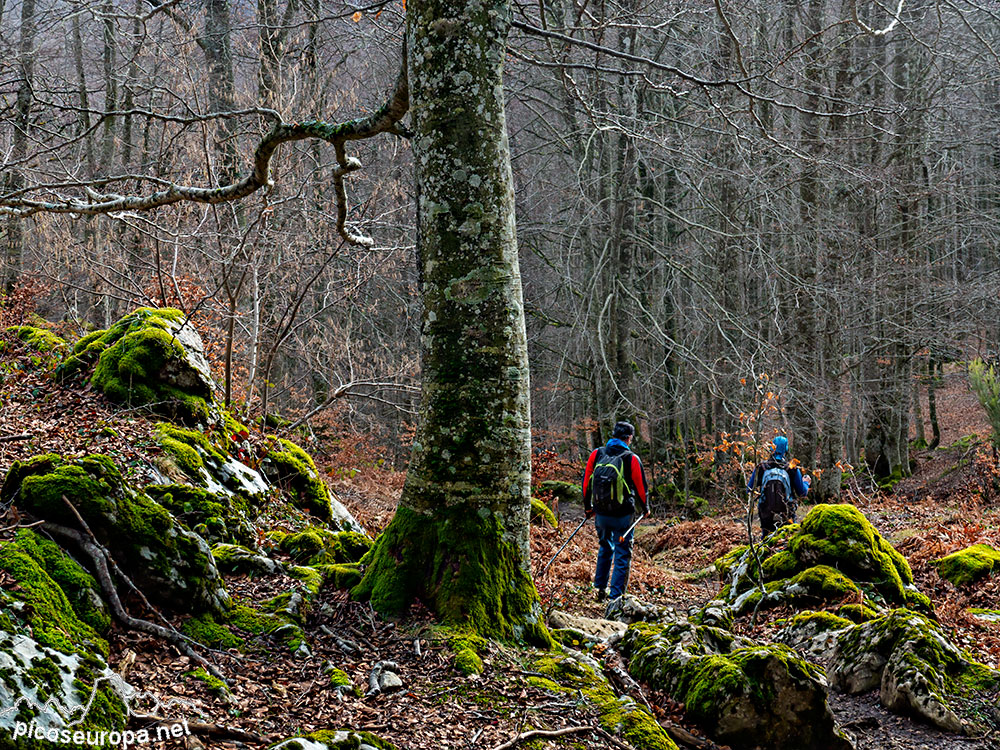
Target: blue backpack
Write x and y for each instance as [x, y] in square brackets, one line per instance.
[776, 487]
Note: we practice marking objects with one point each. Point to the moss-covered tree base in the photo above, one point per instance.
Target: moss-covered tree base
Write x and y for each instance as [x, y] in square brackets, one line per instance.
[461, 566]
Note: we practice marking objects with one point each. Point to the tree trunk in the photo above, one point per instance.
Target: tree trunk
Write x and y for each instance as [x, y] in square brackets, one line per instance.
[459, 539]
[19, 141]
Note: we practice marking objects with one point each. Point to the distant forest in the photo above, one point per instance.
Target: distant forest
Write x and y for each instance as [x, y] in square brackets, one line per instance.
[721, 208]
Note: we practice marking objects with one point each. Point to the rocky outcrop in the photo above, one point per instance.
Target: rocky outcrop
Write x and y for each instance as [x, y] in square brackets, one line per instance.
[738, 692]
[834, 556]
[969, 565]
[169, 562]
[292, 469]
[151, 357]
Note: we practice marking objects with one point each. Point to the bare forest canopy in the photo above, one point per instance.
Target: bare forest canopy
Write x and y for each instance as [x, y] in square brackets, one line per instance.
[730, 216]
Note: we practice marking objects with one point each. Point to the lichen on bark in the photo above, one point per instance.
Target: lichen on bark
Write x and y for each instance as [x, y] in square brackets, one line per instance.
[459, 541]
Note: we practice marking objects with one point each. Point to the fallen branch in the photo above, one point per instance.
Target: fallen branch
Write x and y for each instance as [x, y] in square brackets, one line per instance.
[97, 556]
[552, 733]
[213, 731]
[15, 438]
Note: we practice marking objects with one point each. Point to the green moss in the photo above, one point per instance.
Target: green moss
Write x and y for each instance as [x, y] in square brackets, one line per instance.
[253, 621]
[81, 589]
[968, 565]
[218, 518]
[214, 685]
[340, 576]
[134, 360]
[821, 621]
[725, 563]
[780, 565]
[857, 612]
[39, 339]
[468, 662]
[287, 465]
[840, 536]
[462, 566]
[823, 582]
[620, 716]
[168, 562]
[340, 678]
[542, 514]
[208, 632]
[310, 577]
[731, 692]
[314, 545]
[46, 610]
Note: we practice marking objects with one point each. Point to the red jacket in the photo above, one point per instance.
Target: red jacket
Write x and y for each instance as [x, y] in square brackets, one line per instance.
[635, 477]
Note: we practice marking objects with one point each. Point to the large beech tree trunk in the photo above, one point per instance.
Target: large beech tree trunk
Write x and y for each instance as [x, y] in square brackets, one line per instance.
[459, 539]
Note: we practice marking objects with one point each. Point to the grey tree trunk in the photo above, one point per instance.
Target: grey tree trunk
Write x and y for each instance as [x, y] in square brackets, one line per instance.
[19, 142]
[459, 539]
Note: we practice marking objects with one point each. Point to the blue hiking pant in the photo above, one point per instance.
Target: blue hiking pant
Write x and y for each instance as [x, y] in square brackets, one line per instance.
[609, 528]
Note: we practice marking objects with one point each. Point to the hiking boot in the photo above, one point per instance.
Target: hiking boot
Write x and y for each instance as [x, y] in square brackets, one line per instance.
[601, 595]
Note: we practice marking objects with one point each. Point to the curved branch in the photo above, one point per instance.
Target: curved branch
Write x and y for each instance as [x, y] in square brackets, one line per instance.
[384, 120]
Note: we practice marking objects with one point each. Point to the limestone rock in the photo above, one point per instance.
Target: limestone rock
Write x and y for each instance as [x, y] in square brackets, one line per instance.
[342, 739]
[737, 692]
[171, 564]
[389, 682]
[151, 357]
[916, 669]
[833, 555]
[598, 630]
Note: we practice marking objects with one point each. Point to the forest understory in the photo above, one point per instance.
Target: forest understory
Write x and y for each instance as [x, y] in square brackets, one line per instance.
[273, 694]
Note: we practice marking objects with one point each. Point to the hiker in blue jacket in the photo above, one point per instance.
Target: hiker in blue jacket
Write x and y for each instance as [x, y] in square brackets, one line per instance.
[779, 486]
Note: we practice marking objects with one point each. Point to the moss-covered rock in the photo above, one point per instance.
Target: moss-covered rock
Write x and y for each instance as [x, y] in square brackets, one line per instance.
[340, 576]
[968, 565]
[542, 514]
[190, 456]
[291, 468]
[342, 739]
[217, 518]
[835, 554]
[317, 546]
[40, 603]
[232, 558]
[747, 695]
[170, 563]
[917, 670]
[39, 339]
[48, 692]
[151, 357]
[82, 591]
[620, 716]
[566, 492]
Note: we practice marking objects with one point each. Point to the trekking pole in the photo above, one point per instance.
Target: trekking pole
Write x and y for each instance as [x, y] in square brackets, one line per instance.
[629, 529]
[563, 547]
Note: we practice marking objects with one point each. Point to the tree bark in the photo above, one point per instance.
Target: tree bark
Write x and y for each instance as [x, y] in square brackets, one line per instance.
[459, 539]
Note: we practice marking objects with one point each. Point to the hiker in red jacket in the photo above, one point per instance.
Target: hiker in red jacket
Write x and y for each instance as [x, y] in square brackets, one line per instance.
[614, 484]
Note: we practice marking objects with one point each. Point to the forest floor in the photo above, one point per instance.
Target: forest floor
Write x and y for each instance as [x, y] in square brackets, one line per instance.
[941, 508]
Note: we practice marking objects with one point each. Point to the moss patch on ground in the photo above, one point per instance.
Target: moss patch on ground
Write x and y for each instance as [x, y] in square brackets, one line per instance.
[40, 339]
[968, 565]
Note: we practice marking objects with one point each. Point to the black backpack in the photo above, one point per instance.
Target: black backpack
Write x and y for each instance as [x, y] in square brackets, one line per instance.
[609, 490]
